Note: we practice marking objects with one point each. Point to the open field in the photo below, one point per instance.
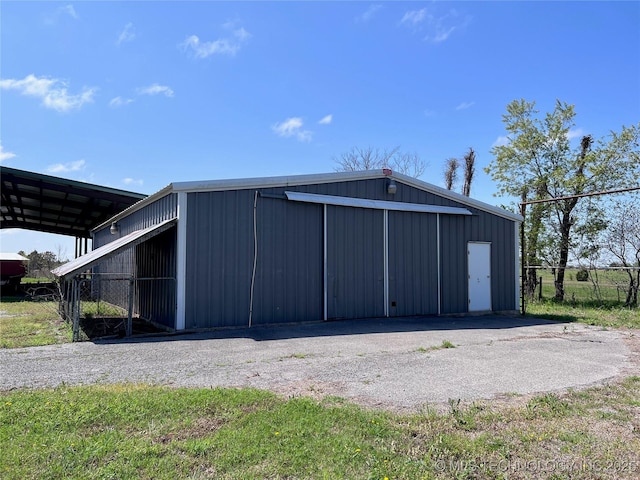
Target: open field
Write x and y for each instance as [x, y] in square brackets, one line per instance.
[135, 431]
[608, 286]
[26, 323]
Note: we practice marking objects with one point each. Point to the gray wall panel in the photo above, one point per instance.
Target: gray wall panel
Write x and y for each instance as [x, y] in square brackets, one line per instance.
[413, 264]
[456, 232]
[355, 262]
[162, 209]
[289, 275]
[219, 258]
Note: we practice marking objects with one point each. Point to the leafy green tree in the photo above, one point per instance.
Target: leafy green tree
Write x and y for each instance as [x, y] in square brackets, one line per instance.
[538, 157]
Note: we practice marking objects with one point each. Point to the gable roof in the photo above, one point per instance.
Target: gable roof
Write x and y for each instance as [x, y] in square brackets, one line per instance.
[311, 179]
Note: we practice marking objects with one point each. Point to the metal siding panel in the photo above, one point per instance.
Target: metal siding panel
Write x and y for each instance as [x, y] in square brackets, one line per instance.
[289, 277]
[453, 263]
[355, 262]
[482, 227]
[219, 258]
[413, 274]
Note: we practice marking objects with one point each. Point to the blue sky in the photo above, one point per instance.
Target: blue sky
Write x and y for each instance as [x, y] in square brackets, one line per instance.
[136, 95]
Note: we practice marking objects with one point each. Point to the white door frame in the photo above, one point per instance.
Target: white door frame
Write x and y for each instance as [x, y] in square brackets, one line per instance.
[479, 276]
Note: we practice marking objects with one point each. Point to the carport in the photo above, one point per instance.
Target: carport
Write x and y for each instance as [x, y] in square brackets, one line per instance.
[34, 201]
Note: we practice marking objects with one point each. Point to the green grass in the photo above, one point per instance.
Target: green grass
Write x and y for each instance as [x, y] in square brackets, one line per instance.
[584, 304]
[612, 285]
[35, 280]
[604, 314]
[136, 431]
[25, 323]
[444, 344]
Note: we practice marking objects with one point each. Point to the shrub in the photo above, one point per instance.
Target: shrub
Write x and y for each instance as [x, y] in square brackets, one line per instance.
[582, 275]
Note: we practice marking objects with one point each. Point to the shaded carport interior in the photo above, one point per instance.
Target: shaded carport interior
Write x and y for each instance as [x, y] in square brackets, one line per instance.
[44, 203]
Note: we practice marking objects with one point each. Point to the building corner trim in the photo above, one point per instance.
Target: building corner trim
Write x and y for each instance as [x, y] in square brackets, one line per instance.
[181, 267]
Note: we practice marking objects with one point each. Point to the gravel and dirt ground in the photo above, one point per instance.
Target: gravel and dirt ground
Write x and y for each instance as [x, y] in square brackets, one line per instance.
[400, 364]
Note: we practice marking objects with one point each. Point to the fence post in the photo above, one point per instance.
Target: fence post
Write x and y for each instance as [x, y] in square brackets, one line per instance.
[129, 331]
[540, 289]
[75, 308]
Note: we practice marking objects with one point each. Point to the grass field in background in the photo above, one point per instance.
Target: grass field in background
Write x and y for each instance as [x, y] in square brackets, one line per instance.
[583, 303]
[26, 323]
[611, 286]
[135, 431]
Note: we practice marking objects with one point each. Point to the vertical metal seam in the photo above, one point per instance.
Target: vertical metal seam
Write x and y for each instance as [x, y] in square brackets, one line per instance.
[385, 227]
[325, 274]
[438, 262]
[181, 273]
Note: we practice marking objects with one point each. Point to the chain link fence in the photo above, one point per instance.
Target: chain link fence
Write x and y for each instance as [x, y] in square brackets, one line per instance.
[116, 304]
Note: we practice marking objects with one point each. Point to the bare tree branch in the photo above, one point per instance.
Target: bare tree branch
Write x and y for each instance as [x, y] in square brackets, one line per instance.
[369, 158]
[450, 173]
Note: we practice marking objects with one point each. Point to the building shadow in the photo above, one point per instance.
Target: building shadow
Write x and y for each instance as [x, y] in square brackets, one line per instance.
[260, 333]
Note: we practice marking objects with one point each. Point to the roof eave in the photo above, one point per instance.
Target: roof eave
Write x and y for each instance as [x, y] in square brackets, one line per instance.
[308, 179]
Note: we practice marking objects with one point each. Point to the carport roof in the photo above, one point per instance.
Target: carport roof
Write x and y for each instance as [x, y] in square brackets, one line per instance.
[44, 203]
[85, 262]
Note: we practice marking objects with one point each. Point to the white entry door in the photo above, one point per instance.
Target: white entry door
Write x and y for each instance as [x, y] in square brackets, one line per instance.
[479, 262]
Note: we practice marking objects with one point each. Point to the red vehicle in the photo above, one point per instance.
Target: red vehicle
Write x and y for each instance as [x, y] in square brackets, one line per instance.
[12, 268]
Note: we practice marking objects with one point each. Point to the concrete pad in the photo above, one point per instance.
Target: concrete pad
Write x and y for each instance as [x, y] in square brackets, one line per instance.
[390, 363]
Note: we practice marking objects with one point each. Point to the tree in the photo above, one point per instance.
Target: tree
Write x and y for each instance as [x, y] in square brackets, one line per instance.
[469, 170]
[450, 173]
[370, 158]
[539, 157]
[41, 264]
[622, 240]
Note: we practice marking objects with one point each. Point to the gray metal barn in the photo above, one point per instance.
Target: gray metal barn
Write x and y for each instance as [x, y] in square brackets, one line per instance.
[307, 248]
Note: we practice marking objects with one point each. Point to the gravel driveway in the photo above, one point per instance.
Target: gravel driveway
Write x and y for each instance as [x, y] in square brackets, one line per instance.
[390, 363]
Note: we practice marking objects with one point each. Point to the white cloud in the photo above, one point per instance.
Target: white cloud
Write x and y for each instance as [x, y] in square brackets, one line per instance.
[292, 127]
[501, 141]
[437, 27]
[69, 10]
[326, 120]
[126, 35]
[51, 91]
[414, 17]
[575, 133]
[465, 105]
[67, 167]
[52, 18]
[131, 181]
[440, 28]
[369, 13]
[222, 46]
[120, 102]
[5, 155]
[156, 89]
